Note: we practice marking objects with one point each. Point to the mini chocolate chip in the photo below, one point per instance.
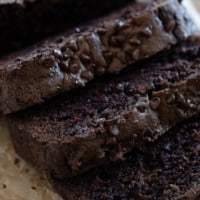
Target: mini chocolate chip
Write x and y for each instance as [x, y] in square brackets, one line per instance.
[106, 112]
[79, 83]
[47, 61]
[87, 75]
[101, 31]
[155, 103]
[72, 46]
[57, 53]
[100, 120]
[180, 98]
[175, 188]
[66, 56]
[117, 40]
[115, 66]
[136, 54]
[141, 108]
[120, 87]
[180, 113]
[135, 41]
[118, 157]
[120, 24]
[16, 161]
[60, 40]
[58, 87]
[121, 121]
[101, 155]
[114, 130]
[33, 188]
[3, 186]
[79, 164]
[85, 58]
[126, 179]
[83, 44]
[18, 59]
[147, 31]
[64, 66]
[170, 98]
[77, 30]
[129, 90]
[74, 68]
[142, 89]
[91, 67]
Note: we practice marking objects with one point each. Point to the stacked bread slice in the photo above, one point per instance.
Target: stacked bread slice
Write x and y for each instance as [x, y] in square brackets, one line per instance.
[106, 45]
[166, 169]
[101, 109]
[100, 123]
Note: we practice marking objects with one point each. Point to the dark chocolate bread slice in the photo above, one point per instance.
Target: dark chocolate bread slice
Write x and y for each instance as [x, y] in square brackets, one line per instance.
[168, 169]
[23, 22]
[100, 123]
[107, 45]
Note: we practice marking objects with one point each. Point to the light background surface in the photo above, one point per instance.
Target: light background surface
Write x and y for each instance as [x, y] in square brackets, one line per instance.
[18, 180]
[193, 7]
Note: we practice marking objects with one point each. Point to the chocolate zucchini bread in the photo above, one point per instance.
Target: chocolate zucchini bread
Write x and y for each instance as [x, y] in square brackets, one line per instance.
[102, 122]
[23, 22]
[106, 45]
[168, 169]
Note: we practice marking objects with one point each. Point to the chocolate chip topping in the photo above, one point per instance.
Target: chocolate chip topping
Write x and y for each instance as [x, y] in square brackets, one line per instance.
[77, 130]
[167, 169]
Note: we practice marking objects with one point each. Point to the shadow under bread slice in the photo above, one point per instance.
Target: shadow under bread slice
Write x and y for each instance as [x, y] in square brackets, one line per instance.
[98, 124]
[23, 22]
[106, 45]
[167, 169]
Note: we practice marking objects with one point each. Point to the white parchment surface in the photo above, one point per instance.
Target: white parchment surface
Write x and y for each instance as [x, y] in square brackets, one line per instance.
[18, 180]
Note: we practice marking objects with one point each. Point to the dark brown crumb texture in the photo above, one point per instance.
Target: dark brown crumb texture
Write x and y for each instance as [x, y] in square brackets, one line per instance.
[106, 45]
[168, 169]
[100, 123]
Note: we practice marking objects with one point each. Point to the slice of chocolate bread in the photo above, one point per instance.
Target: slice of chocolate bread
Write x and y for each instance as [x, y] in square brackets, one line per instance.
[107, 45]
[168, 169]
[23, 22]
[100, 123]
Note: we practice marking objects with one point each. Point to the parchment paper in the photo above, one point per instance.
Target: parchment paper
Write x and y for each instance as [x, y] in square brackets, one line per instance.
[193, 7]
[18, 180]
